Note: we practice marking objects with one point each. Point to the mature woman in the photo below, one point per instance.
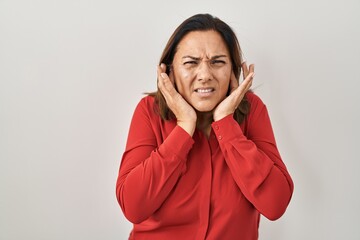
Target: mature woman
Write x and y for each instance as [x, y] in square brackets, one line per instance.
[201, 160]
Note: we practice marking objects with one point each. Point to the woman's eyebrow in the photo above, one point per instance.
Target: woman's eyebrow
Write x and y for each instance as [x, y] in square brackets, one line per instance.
[197, 58]
[192, 57]
[218, 56]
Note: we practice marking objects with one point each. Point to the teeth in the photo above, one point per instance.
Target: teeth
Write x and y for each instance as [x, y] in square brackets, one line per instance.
[204, 90]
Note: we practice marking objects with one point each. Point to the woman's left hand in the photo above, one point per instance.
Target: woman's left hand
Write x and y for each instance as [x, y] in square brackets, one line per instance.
[231, 102]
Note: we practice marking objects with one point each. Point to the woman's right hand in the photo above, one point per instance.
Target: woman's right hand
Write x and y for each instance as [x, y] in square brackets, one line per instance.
[183, 111]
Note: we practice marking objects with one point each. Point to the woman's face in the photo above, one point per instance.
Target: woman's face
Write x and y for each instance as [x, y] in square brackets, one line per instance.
[202, 69]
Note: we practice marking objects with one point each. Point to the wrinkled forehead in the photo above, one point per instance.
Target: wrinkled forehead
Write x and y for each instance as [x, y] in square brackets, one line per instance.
[202, 44]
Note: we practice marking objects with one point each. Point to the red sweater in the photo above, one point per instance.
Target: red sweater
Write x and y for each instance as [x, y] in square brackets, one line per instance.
[174, 186]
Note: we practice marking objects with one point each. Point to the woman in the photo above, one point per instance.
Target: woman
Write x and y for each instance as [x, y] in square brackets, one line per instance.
[201, 160]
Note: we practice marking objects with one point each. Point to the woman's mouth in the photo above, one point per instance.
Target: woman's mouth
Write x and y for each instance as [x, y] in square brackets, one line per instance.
[204, 92]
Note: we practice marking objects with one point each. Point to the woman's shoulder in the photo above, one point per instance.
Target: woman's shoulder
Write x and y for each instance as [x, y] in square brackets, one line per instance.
[254, 100]
[147, 100]
[257, 106]
[147, 105]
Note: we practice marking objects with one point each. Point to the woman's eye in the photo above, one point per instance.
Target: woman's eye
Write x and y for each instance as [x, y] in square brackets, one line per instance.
[190, 63]
[217, 62]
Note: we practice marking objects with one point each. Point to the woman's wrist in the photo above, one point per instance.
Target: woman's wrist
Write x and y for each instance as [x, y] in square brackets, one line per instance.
[189, 127]
[219, 116]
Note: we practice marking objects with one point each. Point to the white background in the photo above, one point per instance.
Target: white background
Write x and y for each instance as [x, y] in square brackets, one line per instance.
[72, 71]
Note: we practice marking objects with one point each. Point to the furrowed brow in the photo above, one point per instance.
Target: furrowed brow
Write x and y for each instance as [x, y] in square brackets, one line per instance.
[198, 58]
[192, 57]
[218, 56]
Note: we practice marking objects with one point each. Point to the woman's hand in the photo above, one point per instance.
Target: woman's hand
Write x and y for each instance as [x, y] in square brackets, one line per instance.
[237, 92]
[184, 112]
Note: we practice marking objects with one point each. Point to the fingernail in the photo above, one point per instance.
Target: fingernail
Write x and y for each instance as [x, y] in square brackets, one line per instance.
[163, 75]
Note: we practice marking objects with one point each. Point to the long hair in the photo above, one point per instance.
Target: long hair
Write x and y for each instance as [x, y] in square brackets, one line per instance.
[202, 22]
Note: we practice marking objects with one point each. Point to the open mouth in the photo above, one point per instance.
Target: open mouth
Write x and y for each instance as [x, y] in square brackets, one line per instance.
[204, 90]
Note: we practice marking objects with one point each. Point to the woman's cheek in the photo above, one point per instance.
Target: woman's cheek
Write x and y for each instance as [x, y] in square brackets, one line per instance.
[183, 80]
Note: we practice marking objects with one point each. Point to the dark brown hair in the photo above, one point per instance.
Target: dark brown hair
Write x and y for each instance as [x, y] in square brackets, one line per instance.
[202, 22]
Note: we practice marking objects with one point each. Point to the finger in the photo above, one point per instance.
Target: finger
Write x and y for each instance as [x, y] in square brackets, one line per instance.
[166, 86]
[163, 67]
[246, 84]
[251, 67]
[162, 80]
[159, 71]
[248, 81]
[239, 93]
[245, 69]
[160, 77]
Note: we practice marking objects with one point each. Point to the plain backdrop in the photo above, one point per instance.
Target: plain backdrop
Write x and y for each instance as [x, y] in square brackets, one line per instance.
[72, 72]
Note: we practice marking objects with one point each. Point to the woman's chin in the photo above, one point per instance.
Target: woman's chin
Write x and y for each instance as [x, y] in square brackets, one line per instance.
[204, 109]
[205, 106]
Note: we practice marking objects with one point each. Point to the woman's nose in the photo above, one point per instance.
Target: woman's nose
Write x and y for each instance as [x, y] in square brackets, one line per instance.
[204, 72]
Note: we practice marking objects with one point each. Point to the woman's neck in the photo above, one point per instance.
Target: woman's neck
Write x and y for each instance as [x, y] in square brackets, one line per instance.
[203, 123]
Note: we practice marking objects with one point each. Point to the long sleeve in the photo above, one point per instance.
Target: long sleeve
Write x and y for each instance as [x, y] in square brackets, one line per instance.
[150, 168]
[254, 160]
